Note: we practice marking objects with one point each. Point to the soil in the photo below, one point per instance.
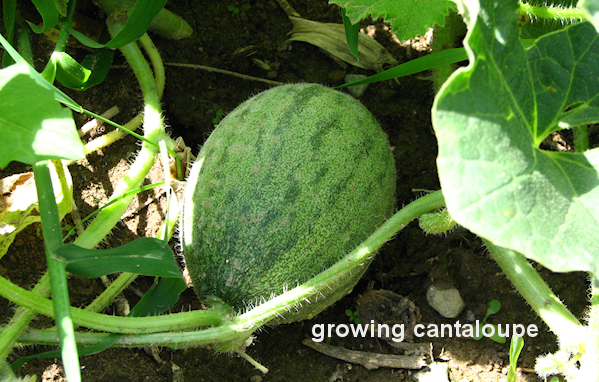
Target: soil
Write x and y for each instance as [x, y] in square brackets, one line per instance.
[406, 266]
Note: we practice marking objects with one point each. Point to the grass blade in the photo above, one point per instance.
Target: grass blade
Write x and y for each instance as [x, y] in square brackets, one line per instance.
[433, 60]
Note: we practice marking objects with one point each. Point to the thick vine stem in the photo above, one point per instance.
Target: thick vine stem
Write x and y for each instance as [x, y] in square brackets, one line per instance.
[21, 319]
[538, 295]
[157, 63]
[242, 327]
[446, 37]
[153, 131]
[109, 323]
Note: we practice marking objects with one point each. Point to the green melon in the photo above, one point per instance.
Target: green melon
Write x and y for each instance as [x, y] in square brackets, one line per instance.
[286, 185]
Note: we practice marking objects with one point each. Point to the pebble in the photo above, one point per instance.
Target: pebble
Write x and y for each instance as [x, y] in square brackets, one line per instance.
[435, 372]
[357, 90]
[445, 299]
[470, 317]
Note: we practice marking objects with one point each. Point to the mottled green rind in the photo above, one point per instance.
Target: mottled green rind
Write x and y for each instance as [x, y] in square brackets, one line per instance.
[287, 184]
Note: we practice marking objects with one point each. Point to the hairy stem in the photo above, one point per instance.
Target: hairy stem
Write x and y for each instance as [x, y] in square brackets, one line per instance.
[21, 319]
[564, 14]
[109, 323]
[156, 61]
[107, 218]
[241, 327]
[537, 294]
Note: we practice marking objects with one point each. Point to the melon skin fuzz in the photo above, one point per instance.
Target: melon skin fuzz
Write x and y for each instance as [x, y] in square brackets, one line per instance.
[286, 185]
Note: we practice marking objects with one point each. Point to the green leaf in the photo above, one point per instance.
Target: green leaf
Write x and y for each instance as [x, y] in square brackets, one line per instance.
[49, 13]
[437, 222]
[490, 119]
[34, 123]
[20, 206]
[92, 70]
[9, 10]
[162, 296]
[99, 63]
[61, 6]
[516, 345]
[351, 34]
[493, 307]
[146, 256]
[496, 337]
[81, 351]
[69, 72]
[408, 18]
[478, 335]
[58, 94]
[139, 21]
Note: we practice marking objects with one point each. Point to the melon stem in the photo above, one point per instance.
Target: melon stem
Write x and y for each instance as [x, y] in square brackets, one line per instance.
[239, 328]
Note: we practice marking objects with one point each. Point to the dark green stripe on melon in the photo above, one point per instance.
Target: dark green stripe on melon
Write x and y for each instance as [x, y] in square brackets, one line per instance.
[287, 184]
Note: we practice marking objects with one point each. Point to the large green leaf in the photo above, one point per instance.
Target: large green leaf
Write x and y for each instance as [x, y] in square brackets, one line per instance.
[58, 94]
[408, 17]
[490, 119]
[33, 125]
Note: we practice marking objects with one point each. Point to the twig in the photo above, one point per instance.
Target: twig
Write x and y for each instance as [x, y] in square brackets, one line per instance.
[88, 126]
[527, 370]
[288, 8]
[113, 136]
[216, 70]
[369, 360]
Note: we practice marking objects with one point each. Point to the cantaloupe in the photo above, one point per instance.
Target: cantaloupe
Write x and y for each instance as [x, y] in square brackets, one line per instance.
[287, 184]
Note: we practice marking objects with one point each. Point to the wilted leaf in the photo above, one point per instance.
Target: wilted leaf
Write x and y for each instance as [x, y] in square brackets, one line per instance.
[18, 201]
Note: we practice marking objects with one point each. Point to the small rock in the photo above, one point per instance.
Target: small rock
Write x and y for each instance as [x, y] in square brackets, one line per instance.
[445, 299]
[256, 378]
[357, 90]
[435, 372]
[470, 317]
